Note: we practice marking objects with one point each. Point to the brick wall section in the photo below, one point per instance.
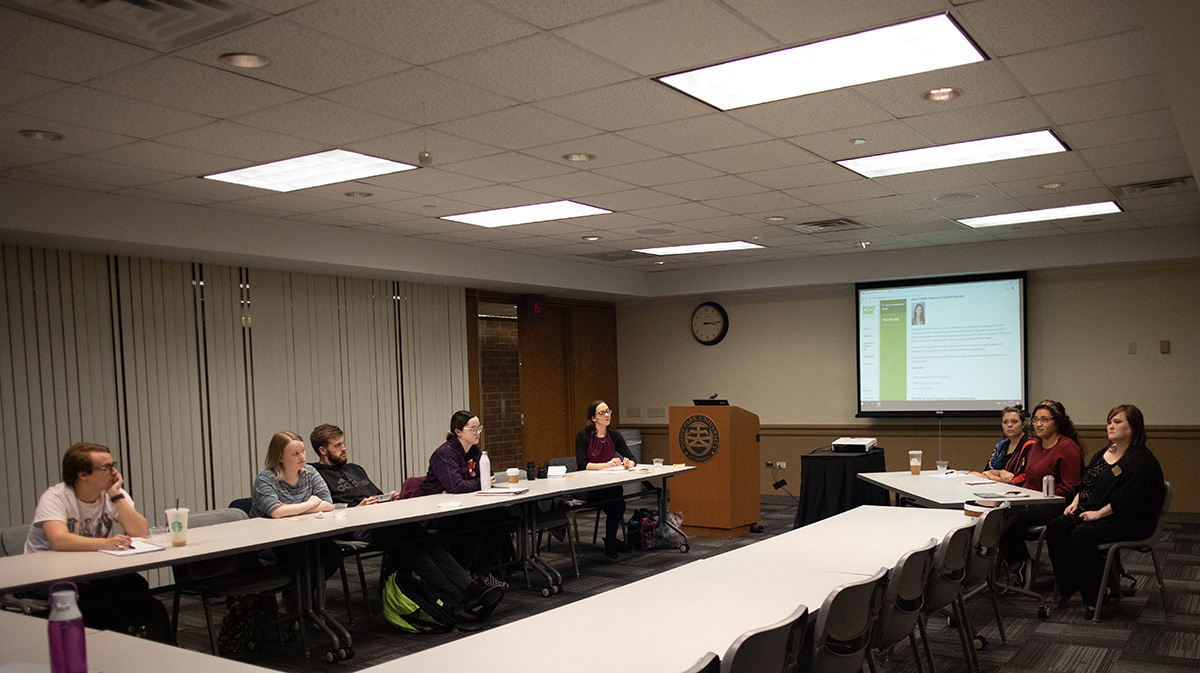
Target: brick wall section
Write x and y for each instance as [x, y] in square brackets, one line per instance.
[500, 387]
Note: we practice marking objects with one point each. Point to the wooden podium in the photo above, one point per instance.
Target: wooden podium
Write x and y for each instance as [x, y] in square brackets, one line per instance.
[720, 499]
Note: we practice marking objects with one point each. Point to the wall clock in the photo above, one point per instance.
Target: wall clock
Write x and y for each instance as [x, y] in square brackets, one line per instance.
[710, 323]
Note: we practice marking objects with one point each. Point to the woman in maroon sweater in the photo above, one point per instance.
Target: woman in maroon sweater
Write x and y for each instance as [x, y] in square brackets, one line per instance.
[1056, 453]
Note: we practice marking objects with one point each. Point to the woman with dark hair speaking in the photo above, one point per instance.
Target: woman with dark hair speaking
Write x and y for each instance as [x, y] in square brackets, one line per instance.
[598, 447]
[1119, 498]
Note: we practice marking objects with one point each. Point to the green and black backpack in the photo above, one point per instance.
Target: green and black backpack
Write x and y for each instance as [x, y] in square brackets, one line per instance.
[409, 606]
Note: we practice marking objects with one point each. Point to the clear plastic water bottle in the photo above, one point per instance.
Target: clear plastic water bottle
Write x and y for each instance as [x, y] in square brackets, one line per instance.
[485, 472]
[1048, 486]
[68, 651]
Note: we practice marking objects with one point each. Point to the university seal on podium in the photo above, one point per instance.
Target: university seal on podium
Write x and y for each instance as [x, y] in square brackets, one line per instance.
[698, 438]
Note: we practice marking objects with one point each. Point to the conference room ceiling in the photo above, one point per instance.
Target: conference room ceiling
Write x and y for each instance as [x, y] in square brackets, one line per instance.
[499, 90]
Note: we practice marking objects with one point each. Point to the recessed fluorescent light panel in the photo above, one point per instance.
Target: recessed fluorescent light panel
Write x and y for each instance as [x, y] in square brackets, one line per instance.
[538, 212]
[894, 51]
[314, 170]
[1043, 215]
[959, 154]
[700, 247]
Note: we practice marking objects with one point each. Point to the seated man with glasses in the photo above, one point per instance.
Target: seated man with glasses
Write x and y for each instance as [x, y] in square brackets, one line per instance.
[77, 514]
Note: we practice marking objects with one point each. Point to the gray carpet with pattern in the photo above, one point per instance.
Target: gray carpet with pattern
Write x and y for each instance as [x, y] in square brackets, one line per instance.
[1135, 636]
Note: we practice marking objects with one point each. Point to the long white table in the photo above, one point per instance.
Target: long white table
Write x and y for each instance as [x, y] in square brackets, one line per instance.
[934, 489]
[703, 606]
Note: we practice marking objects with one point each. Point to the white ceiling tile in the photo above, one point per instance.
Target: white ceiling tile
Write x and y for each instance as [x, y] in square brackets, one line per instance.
[433, 206]
[754, 157]
[406, 145]
[209, 190]
[94, 170]
[816, 21]
[1116, 130]
[1145, 151]
[1030, 186]
[670, 35]
[638, 102]
[25, 175]
[759, 202]
[532, 68]
[416, 31]
[881, 138]
[725, 223]
[16, 86]
[679, 213]
[1108, 99]
[610, 150]
[853, 190]
[1046, 164]
[696, 134]
[1157, 170]
[498, 196]
[110, 112]
[925, 181]
[882, 204]
[1057, 198]
[186, 85]
[980, 83]
[549, 14]
[275, 6]
[243, 142]
[140, 193]
[633, 199]
[76, 140]
[362, 215]
[813, 113]
[160, 157]
[377, 196]
[551, 227]
[428, 181]
[1100, 60]
[575, 185]
[419, 96]
[922, 226]
[1143, 203]
[252, 209]
[13, 155]
[982, 121]
[659, 171]
[713, 188]
[292, 202]
[979, 209]
[1006, 27]
[944, 197]
[323, 121]
[51, 49]
[517, 128]
[301, 58]
[801, 176]
[507, 167]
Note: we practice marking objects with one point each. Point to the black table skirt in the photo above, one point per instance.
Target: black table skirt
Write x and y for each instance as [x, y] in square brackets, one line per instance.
[829, 484]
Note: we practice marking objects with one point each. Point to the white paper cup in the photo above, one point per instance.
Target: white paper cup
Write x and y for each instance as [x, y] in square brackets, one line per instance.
[177, 522]
[514, 475]
[914, 462]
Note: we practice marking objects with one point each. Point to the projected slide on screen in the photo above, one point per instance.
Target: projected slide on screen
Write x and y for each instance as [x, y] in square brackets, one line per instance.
[953, 345]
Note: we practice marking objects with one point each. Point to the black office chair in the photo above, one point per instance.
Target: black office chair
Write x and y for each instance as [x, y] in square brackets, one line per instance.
[1112, 551]
[902, 602]
[12, 543]
[770, 648]
[709, 663]
[844, 626]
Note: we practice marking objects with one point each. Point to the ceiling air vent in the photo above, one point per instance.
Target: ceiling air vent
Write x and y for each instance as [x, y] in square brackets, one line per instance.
[1156, 187]
[825, 226]
[162, 25]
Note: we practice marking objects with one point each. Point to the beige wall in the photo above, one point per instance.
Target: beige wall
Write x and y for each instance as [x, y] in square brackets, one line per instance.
[789, 357]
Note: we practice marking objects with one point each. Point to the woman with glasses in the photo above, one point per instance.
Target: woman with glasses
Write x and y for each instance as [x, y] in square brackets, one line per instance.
[1119, 498]
[1056, 453]
[454, 468]
[598, 447]
[1007, 463]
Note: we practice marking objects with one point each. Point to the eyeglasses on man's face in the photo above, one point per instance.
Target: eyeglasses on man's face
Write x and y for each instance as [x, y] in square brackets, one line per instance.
[107, 467]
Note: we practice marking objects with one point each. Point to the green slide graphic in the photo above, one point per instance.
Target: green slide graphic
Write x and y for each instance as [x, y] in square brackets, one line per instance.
[893, 349]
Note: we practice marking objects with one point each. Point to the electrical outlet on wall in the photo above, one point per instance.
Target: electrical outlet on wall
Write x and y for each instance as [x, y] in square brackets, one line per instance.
[781, 465]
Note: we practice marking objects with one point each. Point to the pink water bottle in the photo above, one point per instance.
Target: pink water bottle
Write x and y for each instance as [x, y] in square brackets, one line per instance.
[68, 652]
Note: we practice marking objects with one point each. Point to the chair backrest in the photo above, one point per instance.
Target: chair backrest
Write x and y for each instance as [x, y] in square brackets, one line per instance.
[904, 596]
[844, 626]
[1162, 513]
[411, 487]
[568, 462]
[985, 546]
[709, 663]
[949, 569]
[244, 504]
[12, 540]
[222, 565]
[767, 649]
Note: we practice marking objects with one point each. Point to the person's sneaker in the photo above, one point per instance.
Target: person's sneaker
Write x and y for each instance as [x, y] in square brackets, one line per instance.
[492, 581]
[610, 548]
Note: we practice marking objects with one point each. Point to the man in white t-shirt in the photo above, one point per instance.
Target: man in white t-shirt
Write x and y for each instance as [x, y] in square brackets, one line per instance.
[78, 513]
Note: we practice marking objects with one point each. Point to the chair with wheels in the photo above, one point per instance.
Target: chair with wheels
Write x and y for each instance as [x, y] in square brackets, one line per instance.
[945, 590]
[232, 577]
[902, 601]
[843, 629]
[12, 543]
[768, 649]
[1112, 550]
